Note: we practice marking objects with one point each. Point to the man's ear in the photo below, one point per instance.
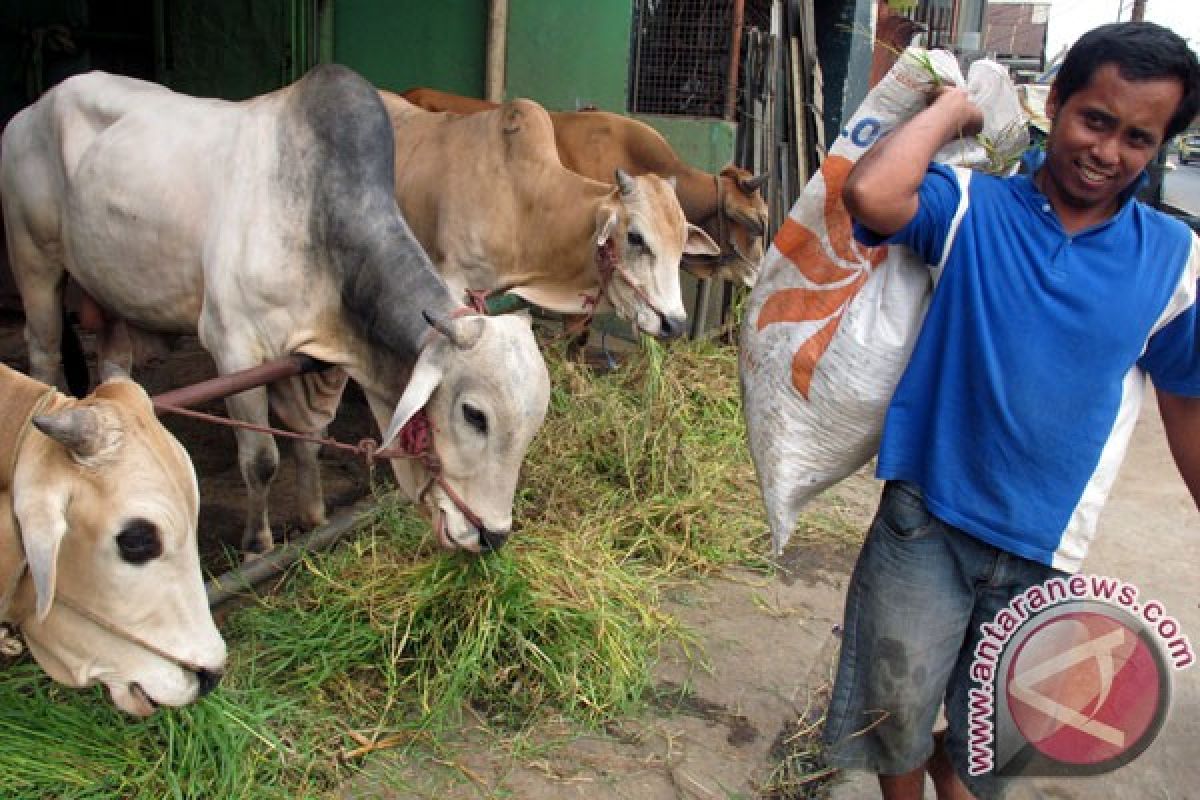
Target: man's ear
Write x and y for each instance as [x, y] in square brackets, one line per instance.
[1052, 102]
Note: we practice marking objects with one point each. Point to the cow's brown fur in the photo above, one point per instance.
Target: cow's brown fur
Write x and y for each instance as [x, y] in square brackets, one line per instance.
[487, 197]
[20, 397]
[595, 143]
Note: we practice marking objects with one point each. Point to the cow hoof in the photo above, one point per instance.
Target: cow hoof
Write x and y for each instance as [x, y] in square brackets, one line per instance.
[312, 520]
[257, 546]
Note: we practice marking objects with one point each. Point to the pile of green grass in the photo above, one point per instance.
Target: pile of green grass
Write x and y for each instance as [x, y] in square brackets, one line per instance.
[639, 480]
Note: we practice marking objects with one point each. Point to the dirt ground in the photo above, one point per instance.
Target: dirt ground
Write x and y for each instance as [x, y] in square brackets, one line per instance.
[721, 717]
[768, 645]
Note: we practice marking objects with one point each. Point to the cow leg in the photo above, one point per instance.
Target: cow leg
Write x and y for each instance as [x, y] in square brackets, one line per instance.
[577, 328]
[40, 280]
[114, 349]
[258, 459]
[310, 492]
[307, 404]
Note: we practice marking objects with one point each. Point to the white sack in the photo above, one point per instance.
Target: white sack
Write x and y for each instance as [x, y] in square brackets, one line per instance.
[830, 324]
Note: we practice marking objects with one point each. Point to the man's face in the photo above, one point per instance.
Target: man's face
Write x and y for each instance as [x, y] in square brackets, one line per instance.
[1103, 137]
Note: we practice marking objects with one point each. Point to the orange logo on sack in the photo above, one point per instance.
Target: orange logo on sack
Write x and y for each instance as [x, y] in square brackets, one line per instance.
[838, 279]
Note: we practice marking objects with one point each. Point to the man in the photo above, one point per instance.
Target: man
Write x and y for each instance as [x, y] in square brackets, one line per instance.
[1057, 292]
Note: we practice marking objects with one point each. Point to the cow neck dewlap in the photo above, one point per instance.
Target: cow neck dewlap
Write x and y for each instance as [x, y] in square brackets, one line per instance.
[560, 300]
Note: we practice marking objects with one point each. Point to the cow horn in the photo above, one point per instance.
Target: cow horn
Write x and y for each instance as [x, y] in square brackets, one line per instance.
[752, 184]
[83, 431]
[625, 182]
[462, 336]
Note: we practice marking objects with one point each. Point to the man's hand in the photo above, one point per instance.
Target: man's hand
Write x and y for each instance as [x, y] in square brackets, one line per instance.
[960, 106]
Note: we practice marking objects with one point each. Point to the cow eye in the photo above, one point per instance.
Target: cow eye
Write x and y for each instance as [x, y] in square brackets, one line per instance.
[475, 418]
[139, 542]
[636, 240]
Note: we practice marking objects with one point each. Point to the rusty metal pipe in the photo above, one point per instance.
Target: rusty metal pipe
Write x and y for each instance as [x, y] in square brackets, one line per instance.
[243, 578]
[735, 60]
[226, 385]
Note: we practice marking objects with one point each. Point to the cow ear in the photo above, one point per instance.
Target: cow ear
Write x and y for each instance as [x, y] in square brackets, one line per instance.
[753, 223]
[87, 433]
[699, 243]
[426, 377]
[606, 223]
[43, 526]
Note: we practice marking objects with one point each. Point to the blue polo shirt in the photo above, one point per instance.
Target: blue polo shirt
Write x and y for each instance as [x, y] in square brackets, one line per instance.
[1026, 379]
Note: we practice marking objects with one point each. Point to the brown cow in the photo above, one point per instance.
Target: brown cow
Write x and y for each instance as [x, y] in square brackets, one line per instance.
[729, 205]
[489, 201]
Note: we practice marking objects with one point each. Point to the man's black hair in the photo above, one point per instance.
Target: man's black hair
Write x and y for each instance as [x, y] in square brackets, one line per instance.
[1141, 51]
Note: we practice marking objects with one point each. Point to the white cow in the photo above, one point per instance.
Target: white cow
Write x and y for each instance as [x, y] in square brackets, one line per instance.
[269, 228]
[98, 560]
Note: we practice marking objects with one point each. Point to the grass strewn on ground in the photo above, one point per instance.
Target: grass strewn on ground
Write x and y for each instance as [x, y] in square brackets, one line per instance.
[640, 479]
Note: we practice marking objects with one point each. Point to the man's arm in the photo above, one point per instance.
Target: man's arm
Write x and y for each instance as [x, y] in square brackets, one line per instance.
[1181, 420]
[881, 190]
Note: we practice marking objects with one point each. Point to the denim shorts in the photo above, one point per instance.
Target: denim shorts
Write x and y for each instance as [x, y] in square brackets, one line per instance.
[920, 592]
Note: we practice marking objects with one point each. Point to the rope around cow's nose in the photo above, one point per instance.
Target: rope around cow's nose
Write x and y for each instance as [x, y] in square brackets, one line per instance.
[121, 633]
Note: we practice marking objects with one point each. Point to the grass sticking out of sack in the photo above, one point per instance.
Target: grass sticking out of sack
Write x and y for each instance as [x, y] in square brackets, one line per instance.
[639, 480]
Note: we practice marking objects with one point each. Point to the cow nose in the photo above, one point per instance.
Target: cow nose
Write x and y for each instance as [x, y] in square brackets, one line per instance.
[491, 541]
[672, 327]
[208, 680]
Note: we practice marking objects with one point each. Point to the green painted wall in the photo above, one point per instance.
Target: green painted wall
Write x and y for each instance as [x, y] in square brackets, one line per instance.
[703, 143]
[563, 54]
[397, 44]
[569, 53]
[573, 53]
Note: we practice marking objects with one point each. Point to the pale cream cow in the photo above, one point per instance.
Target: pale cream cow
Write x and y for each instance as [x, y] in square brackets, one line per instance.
[99, 567]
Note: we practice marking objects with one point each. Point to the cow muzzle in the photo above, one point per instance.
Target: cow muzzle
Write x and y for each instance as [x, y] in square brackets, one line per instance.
[490, 541]
[647, 317]
[138, 701]
[454, 531]
[671, 327]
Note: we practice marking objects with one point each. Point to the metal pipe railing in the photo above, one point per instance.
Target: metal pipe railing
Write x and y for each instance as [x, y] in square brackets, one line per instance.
[226, 385]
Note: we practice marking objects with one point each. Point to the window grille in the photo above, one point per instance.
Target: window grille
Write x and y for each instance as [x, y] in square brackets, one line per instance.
[681, 52]
[938, 17]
